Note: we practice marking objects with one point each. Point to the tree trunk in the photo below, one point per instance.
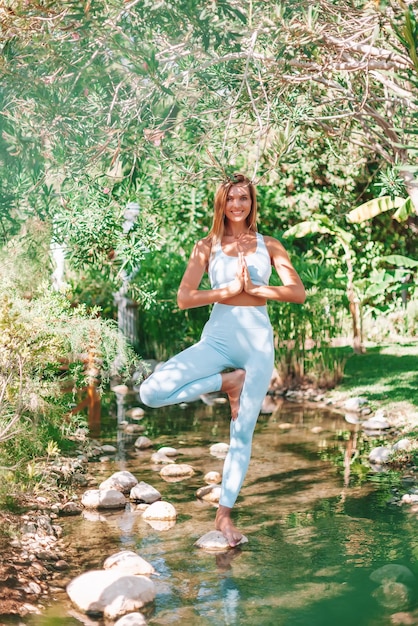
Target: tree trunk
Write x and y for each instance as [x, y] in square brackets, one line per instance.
[354, 305]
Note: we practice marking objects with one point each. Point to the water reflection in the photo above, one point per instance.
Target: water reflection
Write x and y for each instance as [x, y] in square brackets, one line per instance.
[315, 536]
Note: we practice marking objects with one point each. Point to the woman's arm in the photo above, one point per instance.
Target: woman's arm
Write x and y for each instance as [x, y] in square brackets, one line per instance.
[292, 289]
[189, 295]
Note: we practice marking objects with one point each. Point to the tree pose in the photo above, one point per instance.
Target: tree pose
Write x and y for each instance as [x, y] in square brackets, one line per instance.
[238, 335]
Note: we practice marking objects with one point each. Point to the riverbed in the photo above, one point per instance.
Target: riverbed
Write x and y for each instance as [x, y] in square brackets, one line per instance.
[317, 537]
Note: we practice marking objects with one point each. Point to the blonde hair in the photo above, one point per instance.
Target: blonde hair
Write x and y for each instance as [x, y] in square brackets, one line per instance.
[218, 223]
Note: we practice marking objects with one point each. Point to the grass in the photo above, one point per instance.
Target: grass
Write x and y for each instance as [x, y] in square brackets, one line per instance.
[387, 375]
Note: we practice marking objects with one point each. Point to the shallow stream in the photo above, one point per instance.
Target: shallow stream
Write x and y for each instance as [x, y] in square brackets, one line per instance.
[315, 537]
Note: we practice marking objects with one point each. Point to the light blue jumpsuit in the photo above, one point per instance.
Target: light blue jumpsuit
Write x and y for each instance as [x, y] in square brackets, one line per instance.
[234, 337]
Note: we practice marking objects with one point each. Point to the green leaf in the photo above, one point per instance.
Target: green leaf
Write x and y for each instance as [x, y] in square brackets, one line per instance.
[399, 260]
[307, 228]
[374, 207]
[404, 211]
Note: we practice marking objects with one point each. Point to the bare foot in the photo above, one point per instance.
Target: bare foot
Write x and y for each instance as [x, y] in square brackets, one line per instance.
[224, 523]
[232, 384]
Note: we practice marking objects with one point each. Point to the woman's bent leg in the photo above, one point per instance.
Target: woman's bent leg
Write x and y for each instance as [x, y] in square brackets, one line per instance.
[185, 377]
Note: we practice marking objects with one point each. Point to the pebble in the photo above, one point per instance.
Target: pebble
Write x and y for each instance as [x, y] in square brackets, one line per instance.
[214, 541]
[160, 511]
[177, 471]
[142, 443]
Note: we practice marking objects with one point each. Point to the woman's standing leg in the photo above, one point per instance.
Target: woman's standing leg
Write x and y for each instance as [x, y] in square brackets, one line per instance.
[258, 364]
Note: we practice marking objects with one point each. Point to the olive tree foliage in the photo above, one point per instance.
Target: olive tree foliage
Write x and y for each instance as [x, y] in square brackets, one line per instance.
[108, 85]
[103, 103]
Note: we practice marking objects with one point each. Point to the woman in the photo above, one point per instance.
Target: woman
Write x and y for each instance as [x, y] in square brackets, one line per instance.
[238, 335]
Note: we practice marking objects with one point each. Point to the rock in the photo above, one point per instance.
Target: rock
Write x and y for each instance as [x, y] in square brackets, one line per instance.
[409, 498]
[209, 493]
[380, 455]
[355, 404]
[376, 423]
[392, 572]
[121, 481]
[143, 442]
[110, 592]
[316, 430]
[142, 492]
[352, 418]
[403, 444]
[70, 508]
[107, 449]
[129, 562]
[219, 450]
[161, 525]
[403, 619]
[212, 478]
[136, 413]
[393, 595]
[160, 511]
[159, 457]
[121, 389]
[133, 428]
[285, 426]
[103, 499]
[176, 471]
[132, 619]
[168, 451]
[215, 541]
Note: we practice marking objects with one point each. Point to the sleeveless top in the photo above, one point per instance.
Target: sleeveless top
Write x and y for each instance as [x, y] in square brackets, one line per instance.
[223, 268]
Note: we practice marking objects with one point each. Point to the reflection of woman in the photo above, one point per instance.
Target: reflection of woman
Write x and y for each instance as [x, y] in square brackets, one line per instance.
[238, 335]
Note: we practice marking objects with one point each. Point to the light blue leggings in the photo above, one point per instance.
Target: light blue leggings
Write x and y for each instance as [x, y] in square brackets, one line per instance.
[234, 337]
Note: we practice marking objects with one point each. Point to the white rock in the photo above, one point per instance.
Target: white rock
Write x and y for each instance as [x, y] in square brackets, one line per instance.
[376, 423]
[103, 499]
[143, 442]
[380, 455]
[160, 511]
[159, 457]
[212, 478]
[132, 619]
[142, 492]
[136, 413]
[355, 404]
[168, 451]
[351, 418]
[215, 541]
[161, 525]
[219, 449]
[210, 493]
[122, 481]
[403, 444]
[110, 592]
[410, 498]
[121, 389]
[316, 430]
[285, 426]
[129, 562]
[107, 449]
[181, 470]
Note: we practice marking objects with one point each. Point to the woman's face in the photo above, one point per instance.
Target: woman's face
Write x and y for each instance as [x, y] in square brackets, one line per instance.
[238, 203]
